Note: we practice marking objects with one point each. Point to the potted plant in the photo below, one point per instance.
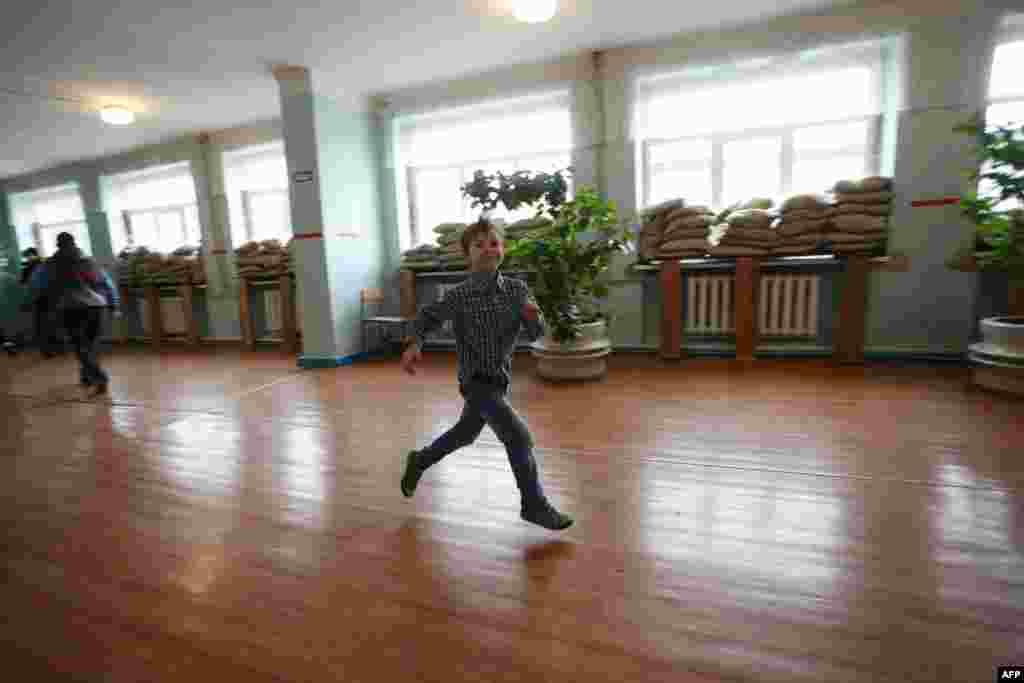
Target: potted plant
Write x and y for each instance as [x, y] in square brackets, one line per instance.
[998, 216]
[567, 258]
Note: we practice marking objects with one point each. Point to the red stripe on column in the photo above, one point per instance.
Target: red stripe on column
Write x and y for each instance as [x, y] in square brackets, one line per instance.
[219, 251]
[309, 236]
[944, 201]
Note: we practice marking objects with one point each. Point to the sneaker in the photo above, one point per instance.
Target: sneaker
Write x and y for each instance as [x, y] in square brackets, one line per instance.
[546, 516]
[412, 475]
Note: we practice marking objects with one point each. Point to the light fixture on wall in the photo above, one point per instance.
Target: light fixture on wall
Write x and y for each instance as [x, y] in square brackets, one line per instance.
[118, 116]
[534, 11]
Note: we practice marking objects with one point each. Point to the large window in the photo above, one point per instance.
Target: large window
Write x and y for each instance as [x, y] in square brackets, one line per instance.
[1006, 84]
[40, 215]
[1006, 88]
[256, 184]
[762, 128]
[153, 208]
[439, 151]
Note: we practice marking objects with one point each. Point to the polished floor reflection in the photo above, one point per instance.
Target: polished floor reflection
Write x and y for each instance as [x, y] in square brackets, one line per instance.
[222, 516]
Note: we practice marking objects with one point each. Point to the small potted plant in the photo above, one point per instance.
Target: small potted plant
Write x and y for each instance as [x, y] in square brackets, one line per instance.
[567, 259]
[998, 216]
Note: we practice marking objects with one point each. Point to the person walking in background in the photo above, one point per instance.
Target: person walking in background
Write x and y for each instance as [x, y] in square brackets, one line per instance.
[79, 291]
[44, 332]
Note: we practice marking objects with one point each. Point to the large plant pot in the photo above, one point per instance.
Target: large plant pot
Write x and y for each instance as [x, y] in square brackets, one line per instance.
[582, 358]
[997, 362]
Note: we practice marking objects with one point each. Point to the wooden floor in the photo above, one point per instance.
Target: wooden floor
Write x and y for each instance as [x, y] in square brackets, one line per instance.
[225, 517]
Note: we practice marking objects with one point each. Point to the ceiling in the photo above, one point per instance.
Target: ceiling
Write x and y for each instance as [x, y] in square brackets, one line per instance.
[205, 66]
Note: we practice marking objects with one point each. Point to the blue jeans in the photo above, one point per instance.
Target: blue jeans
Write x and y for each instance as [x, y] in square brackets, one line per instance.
[486, 403]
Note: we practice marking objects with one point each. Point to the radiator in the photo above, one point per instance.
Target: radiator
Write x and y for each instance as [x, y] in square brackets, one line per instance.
[274, 313]
[446, 329]
[272, 308]
[172, 311]
[787, 305]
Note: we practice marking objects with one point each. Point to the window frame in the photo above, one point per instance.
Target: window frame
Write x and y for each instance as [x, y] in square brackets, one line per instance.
[60, 226]
[787, 157]
[247, 211]
[179, 209]
[466, 170]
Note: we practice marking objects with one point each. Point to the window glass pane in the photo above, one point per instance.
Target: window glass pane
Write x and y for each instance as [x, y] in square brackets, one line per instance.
[676, 152]
[53, 205]
[193, 233]
[437, 199]
[779, 101]
[820, 175]
[1007, 78]
[25, 237]
[270, 214]
[1006, 114]
[171, 230]
[151, 188]
[255, 169]
[694, 186]
[144, 230]
[79, 230]
[826, 140]
[752, 168]
[493, 136]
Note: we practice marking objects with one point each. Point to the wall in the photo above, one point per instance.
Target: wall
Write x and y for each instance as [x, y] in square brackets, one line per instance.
[349, 161]
[941, 52]
[937, 72]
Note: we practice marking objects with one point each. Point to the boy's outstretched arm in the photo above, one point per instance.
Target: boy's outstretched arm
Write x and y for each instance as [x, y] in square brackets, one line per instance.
[430, 318]
[533, 319]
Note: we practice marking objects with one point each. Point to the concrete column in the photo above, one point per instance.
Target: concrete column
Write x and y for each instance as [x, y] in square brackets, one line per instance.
[334, 169]
[96, 219]
[218, 253]
[309, 250]
[945, 79]
[588, 128]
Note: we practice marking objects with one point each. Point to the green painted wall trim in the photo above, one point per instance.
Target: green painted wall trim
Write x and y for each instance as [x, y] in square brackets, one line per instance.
[322, 362]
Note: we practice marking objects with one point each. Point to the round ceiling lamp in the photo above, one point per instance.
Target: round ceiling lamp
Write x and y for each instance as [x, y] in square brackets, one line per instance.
[534, 11]
[118, 116]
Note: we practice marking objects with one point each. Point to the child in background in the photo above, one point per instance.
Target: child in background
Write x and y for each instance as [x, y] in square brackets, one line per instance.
[76, 287]
[488, 311]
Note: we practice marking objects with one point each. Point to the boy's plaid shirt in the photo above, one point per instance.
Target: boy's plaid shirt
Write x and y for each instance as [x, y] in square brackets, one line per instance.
[486, 314]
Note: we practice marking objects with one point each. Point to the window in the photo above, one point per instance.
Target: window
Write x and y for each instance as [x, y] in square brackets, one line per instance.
[432, 200]
[256, 184]
[439, 151]
[164, 229]
[153, 208]
[40, 215]
[768, 127]
[1006, 88]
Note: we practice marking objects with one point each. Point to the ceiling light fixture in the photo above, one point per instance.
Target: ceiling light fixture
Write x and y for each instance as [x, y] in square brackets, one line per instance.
[534, 11]
[118, 116]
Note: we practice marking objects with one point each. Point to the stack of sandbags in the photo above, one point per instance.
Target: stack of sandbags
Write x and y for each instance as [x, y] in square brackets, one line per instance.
[522, 229]
[686, 233]
[804, 221]
[130, 273]
[423, 257]
[745, 232]
[191, 259]
[861, 221]
[449, 236]
[653, 220]
[152, 266]
[268, 258]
